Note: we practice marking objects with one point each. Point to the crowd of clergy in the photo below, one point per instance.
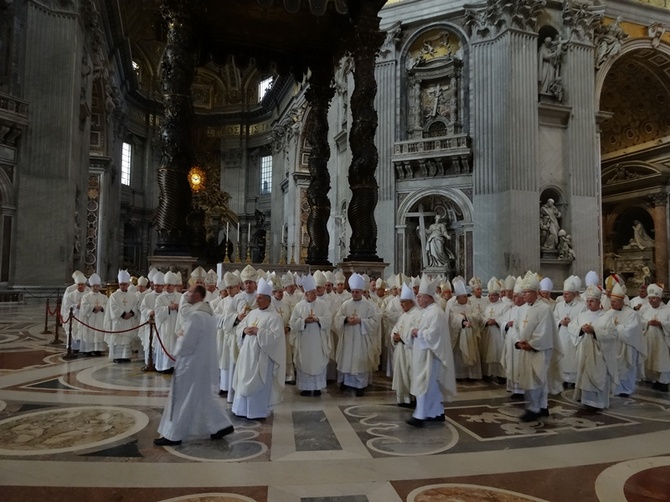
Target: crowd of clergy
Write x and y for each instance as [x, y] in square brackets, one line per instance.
[425, 333]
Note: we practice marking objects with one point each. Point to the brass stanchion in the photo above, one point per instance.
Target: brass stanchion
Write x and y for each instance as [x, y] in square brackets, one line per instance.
[238, 253]
[150, 362]
[69, 354]
[46, 331]
[56, 340]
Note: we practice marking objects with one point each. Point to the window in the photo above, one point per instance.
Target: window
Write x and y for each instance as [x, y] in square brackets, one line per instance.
[126, 162]
[263, 87]
[266, 174]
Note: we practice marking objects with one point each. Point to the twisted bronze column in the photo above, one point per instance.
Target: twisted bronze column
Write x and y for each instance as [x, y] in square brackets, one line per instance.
[319, 94]
[177, 71]
[364, 157]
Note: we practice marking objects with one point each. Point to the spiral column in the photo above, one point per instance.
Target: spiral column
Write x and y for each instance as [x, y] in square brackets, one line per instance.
[319, 94]
[177, 71]
[364, 156]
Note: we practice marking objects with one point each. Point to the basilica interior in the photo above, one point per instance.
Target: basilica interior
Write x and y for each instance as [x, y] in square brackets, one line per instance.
[321, 134]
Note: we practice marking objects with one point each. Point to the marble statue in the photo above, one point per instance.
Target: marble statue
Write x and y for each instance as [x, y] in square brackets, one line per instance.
[640, 237]
[549, 227]
[608, 40]
[550, 62]
[436, 243]
[565, 251]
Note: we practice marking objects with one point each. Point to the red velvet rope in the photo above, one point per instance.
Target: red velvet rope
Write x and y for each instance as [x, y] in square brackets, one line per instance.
[121, 331]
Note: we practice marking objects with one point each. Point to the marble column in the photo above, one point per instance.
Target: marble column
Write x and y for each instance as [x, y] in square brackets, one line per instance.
[364, 156]
[505, 179]
[582, 147]
[659, 202]
[318, 95]
[177, 70]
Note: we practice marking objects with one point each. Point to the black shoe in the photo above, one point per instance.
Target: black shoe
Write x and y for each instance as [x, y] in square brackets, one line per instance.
[166, 442]
[663, 387]
[305, 393]
[317, 393]
[117, 360]
[502, 380]
[406, 405]
[623, 394]
[544, 412]
[223, 393]
[125, 360]
[168, 371]
[223, 432]
[439, 418]
[529, 416]
[97, 353]
[517, 397]
[290, 382]
[360, 392]
[343, 387]
[590, 409]
[415, 422]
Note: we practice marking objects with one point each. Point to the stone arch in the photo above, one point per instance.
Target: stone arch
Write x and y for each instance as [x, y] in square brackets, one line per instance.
[451, 206]
[626, 48]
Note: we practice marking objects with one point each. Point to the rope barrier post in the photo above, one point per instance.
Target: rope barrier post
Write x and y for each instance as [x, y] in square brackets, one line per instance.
[56, 340]
[69, 354]
[150, 362]
[58, 306]
[46, 331]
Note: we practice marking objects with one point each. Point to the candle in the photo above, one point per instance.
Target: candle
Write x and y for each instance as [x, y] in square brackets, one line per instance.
[238, 231]
[249, 232]
[227, 225]
[282, 234]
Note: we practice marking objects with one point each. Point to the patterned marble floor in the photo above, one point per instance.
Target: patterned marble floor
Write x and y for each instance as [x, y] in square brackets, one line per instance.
[81, 430]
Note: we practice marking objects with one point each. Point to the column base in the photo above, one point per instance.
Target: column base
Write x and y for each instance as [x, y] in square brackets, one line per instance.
[372, 268]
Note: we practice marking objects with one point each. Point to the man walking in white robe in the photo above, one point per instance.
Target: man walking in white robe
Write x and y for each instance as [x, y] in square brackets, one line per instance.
[631, 345]
[535, 327]
[433, 375]
[260, 370]
[656, 322]
[167, 311]
[192, 408]
[122, 314]
[401, 340]
[564, 313]
[92, 312]
[357, 327]
[594, 335]
[311, 341]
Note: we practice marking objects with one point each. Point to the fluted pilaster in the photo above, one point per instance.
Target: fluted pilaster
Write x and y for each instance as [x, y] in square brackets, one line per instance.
[505, 145]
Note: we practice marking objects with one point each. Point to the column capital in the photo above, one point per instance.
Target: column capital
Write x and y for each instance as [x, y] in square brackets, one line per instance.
[658, 199]
[488, 19]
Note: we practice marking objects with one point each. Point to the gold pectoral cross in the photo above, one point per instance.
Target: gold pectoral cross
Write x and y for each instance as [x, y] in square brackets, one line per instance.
[311, 313]
[254, 324]
[124, 301]
[491, 313]
[616, 321]
[281, 312]
[525, 321]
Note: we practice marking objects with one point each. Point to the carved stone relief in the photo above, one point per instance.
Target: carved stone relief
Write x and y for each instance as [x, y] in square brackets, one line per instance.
[434, 85]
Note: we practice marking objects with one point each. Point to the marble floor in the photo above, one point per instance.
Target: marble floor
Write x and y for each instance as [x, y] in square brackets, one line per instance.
[81, 430]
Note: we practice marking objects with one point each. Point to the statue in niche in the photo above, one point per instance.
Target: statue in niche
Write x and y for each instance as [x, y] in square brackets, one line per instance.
[550, 64]
[436, 243]
[565, 251]
[640, 237]
[608, 40]
[549, 226]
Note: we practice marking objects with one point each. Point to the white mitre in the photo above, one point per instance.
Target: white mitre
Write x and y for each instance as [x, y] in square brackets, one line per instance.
[407, 293]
